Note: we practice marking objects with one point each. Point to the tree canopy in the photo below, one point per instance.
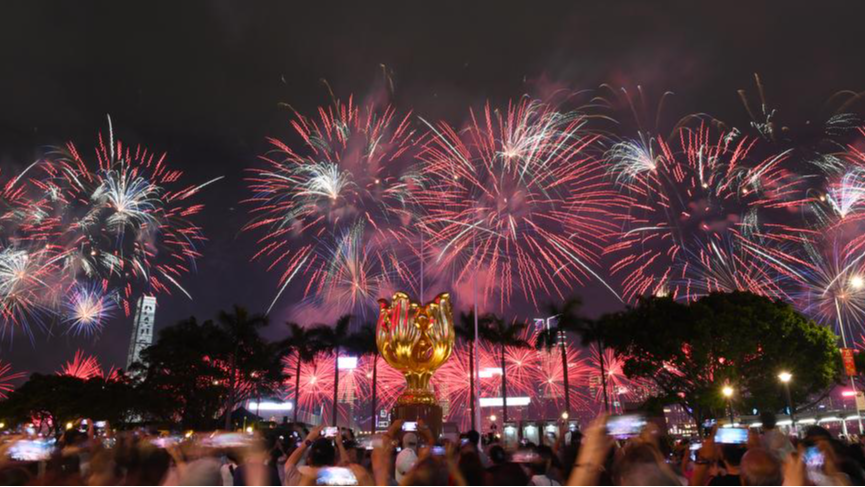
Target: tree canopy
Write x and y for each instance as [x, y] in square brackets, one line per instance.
[689, 351]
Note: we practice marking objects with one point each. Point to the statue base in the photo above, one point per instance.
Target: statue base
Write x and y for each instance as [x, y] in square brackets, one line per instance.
[431, 414]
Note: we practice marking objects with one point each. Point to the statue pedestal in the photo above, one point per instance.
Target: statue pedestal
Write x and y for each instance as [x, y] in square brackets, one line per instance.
[430, 414]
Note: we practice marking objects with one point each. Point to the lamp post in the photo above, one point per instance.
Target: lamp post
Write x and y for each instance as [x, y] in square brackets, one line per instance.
[727, 391]
[785, 377]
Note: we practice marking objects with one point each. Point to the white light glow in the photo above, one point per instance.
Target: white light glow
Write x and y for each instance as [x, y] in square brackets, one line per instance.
[497, 402]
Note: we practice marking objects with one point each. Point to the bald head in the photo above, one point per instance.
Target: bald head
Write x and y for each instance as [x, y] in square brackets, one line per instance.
[759, 467]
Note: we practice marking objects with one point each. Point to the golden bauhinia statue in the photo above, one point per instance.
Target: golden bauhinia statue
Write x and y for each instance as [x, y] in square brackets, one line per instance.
[416, 340]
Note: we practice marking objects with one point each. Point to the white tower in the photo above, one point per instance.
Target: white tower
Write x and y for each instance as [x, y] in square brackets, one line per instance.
[142, 328]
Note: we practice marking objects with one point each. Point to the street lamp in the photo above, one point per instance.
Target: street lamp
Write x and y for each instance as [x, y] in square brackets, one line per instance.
[785, 377]
[727, 391]
[565, 415]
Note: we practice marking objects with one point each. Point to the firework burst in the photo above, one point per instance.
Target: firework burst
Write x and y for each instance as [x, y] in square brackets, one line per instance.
[698, 187]
[355, 167]
[126, 217]
[619, 387]
[833, 286]
[82, 366]
[518, 196]
[26, 286]
[87, 308]
[7, 377]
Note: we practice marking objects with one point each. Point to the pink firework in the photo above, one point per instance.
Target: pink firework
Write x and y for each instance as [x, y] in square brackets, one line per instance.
[316, 386]
[518, 197]
[619, 387]
[7, 378]
[126, 217]
[389, 383]
[353, 170]
[28, 289]
[82, 367]
[699, 186]
[550, 378]
[452, 381]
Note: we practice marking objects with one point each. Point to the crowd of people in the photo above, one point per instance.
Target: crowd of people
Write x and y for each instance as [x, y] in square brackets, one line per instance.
[292, 455]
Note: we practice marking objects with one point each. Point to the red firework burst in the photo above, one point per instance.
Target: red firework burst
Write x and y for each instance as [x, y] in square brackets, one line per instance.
[619, 387]
[701, 186]
[353, 171]
[7, 379]
[519, 197]
[126, 217]
[82, 367]
[549, 376]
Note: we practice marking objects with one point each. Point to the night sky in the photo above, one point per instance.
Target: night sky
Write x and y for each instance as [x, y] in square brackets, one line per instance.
[206, 82]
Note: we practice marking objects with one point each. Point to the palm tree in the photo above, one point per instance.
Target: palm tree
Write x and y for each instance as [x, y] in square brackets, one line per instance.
[465, 329]
[590, 332]
[498, 332]
[363, 343]
[567, 321]
[242, 329]
[333, 339]
[305, 345]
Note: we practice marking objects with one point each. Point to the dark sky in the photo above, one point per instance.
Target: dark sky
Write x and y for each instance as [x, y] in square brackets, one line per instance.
[204, 80]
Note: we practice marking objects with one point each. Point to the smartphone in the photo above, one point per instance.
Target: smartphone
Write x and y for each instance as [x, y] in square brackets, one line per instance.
[625, 426]
[438, 450]
[227, 440]
[409, 426]
[335, 476]
[464, 441]
[732, 436]
[693, 450]
[99, 424]
[331, 431]
[814, 459]
[31, 450]
[165, 441]
[525, 456]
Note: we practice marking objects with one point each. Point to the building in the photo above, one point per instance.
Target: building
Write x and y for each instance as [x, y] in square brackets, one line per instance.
[142, 328]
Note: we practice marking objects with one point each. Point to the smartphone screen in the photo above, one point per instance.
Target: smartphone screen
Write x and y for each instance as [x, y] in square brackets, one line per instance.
[30, 450]
[438, 450]
[693, 450]
[331, 431]
[525, 456]
[625, 426]
[409, 426]
[732, 436]
[814, 458]
[228, 440]
[335, 476]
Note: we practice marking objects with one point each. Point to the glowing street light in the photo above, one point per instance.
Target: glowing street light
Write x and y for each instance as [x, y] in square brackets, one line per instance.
[785, 378]
[727, 391]
[565, 415]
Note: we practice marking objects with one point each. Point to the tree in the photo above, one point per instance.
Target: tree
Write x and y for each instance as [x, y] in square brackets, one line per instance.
[363, 343]
[689, 351]
[189, 378]
[567, 321]
[182, 383]
[305, 344]
[334, 339]
[55, 400]
[242, 330]
[465, 330]
[498, 332]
